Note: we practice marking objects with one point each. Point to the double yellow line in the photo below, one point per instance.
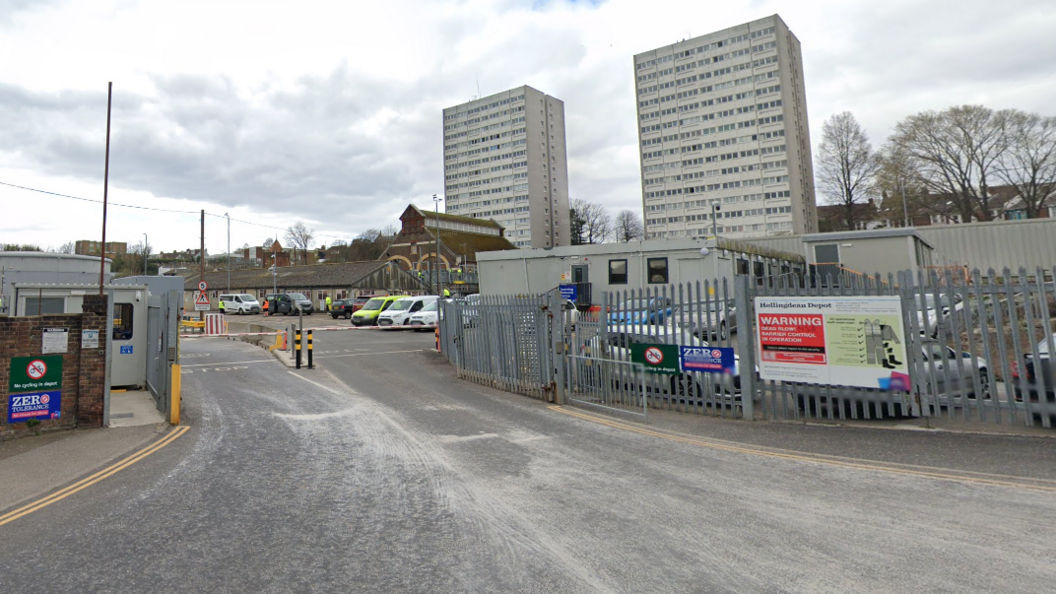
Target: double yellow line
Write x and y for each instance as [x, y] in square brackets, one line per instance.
[921, 471]
[95, 478]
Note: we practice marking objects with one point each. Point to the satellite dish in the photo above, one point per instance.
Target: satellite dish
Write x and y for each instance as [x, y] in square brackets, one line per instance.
[704, 251]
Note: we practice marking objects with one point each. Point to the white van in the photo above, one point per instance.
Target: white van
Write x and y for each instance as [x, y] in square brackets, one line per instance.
[240, 303]
[399, 313]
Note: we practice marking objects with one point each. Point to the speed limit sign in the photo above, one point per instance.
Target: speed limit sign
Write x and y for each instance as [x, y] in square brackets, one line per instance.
[202, 285]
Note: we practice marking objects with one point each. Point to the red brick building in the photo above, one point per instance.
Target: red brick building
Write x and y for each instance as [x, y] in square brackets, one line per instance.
[461, 238]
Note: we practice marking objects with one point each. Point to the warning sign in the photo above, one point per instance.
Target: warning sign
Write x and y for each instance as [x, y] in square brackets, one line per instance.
[792, 338]
[837, 341]
[201, 302]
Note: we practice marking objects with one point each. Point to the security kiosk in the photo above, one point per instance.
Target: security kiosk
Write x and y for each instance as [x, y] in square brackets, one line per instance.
[128, 362]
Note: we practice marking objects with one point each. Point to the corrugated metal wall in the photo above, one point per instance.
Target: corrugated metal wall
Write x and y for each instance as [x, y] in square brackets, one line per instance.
[1030, 243]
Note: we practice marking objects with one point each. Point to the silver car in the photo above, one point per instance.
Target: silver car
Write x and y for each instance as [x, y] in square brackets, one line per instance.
[710, 320]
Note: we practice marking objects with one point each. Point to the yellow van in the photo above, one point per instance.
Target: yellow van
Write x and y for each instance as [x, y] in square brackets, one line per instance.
[368, 314]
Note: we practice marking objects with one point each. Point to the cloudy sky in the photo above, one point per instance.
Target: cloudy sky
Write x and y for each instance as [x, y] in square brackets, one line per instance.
[329, 111]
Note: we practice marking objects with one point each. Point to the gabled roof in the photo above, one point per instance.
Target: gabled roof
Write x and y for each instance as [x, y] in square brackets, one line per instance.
[468, 245]
[443, 216]
[316, 275]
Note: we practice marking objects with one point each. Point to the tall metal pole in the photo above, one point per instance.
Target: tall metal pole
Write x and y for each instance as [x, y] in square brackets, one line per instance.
[106, 185]
[714, 220]
[228, 252]
[146, 253]
[905, 207]
[436, 205]
[201, 260]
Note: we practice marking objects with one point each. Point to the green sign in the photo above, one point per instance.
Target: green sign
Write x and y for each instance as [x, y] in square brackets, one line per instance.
[657, 358]
[31, 374]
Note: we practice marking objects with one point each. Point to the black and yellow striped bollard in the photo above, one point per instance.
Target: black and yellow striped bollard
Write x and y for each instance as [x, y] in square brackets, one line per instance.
[310, 350]
[297, 347]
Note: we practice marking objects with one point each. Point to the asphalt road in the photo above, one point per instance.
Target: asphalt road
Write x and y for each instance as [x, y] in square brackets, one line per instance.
[382, 472]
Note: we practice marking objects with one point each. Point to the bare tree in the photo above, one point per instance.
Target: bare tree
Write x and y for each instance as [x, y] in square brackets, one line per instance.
[628, 226]
[897, 180]
[955, 153]
[1029, 162]
[847, 165]
[300, 237]
[591, 220]
[66, 248]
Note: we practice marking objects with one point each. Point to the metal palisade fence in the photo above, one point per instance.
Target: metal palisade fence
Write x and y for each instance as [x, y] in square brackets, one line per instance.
[938, 344]
[973, 347]
[504, 342]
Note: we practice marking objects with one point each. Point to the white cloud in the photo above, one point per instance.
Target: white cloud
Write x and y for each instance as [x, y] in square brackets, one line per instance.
[330, 112]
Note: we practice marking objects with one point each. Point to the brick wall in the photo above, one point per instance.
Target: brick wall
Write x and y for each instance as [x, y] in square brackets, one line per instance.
[83, 370]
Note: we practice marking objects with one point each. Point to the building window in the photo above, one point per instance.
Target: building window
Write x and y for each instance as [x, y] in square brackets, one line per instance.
[617, 272]
[657, 270]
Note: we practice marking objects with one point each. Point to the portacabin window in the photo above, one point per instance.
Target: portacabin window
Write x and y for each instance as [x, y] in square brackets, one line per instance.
[657, 269]
[617, 272]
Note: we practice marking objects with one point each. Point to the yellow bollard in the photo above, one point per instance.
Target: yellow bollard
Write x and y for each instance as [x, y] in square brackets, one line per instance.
[174, 401]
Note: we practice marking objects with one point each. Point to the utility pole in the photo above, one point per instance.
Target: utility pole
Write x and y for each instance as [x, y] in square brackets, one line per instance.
[436, 205]
[201, 259]
[146, 254]
[106, 185]
[228, 252]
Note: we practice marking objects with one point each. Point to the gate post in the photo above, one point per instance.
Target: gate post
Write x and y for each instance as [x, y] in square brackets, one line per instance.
[557, 342]
[745, 344]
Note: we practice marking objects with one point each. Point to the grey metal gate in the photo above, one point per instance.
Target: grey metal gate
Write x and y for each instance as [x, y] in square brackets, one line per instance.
[162, 352]
[504, 342]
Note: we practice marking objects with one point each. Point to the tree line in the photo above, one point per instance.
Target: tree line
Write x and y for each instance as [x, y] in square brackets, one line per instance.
[944, 163]
[591, 222]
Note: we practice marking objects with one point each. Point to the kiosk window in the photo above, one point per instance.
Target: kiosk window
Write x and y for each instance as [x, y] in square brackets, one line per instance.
[617, 272]
[122, 321]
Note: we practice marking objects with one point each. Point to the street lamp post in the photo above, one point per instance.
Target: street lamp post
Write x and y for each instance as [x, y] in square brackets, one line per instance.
[228, 252]
[715, 219]
[146, 254]
[436, 205]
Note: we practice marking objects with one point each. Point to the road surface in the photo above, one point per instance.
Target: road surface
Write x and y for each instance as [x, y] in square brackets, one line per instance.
[382, 472]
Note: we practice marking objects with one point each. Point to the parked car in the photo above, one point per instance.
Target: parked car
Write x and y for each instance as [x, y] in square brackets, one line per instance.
[652, 310]
[934, 312]
[470, 313]
[341, 308]
[426, 317]
[301, 301]
[1034, 374]
[399, 313]
[368, 314]
[961, 375]
[711, 320]
[359, 302]
[961, 382]
[287, 303]
[623, 336]
[240, 303]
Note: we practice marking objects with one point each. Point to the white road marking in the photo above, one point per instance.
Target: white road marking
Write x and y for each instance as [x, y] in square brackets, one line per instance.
[315, 417]
[459, 438]
[331, 390]
[228, 363]
[377, 353]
